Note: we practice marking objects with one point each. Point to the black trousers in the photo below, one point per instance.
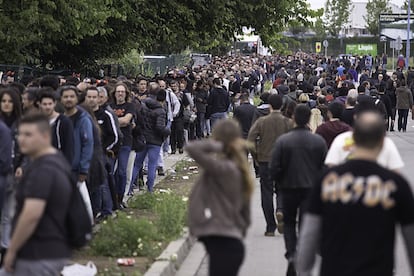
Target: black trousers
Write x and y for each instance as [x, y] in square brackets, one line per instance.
[226, 255]
[177, 134]
[267, 192]
[294, 200]
[200, 124]
[402, 119]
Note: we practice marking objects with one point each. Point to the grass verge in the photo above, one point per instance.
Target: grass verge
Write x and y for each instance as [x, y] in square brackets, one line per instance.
[145, 228]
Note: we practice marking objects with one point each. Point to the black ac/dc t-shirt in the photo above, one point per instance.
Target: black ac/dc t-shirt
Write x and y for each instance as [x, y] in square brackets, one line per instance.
[121, 110]
[46, 178]
[360, 203]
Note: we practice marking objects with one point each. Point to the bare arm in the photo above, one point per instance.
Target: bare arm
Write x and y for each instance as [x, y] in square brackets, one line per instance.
[202, 153]
[126, 120]
[309, 241]
[408, 235]
[27, 222]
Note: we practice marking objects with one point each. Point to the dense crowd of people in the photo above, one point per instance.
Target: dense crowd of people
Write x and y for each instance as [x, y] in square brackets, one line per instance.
[112, 132]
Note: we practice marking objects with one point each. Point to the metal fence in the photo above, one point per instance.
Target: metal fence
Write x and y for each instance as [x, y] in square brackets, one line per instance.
[162, 64]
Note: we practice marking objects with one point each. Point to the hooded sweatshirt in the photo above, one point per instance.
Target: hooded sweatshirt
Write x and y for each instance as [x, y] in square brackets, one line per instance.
[261, 110]
[330, 129]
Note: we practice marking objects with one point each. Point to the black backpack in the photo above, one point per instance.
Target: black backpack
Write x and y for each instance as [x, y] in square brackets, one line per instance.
[78, 222]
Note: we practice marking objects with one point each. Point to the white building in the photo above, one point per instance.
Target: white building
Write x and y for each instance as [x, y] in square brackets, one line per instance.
[357, 24]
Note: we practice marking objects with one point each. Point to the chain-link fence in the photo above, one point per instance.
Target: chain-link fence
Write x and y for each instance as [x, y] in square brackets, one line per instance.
[162, 64]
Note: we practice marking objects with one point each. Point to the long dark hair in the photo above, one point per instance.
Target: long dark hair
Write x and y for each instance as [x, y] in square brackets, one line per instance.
[234, 148]
[17, 106]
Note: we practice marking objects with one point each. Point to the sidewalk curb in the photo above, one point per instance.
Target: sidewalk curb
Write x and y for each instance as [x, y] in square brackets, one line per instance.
[168, 263]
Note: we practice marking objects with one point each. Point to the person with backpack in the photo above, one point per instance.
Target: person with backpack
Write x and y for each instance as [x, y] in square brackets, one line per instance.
[39, 243]
[153, 122]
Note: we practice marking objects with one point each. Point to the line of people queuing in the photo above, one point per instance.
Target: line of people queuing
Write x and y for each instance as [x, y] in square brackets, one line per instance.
[113, 131]
[301, 127]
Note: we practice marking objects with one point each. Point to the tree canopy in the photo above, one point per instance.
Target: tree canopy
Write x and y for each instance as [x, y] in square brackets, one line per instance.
[336, 15]
[374, 9]
[79, 32]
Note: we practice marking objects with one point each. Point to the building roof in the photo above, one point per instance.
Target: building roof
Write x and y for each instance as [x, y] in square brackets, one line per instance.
[359, 11]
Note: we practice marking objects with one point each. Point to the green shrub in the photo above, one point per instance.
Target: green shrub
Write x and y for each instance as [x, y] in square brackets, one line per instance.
[171, 215]
[145, 201]
[182, 166]
[125, 236]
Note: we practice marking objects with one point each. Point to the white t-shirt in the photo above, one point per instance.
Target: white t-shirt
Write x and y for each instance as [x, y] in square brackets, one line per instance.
[341, 147]
[226, 83]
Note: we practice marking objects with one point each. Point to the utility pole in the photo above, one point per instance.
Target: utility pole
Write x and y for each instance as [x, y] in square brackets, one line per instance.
[407, 48]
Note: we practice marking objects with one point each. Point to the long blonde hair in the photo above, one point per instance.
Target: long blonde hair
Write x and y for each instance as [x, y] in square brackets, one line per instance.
[235, 148]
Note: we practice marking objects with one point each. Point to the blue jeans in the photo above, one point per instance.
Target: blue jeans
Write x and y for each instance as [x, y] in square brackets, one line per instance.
[214, 118]
[8, 212]
[121, 174]
[101, 199]
[3, 184]
[153, 152]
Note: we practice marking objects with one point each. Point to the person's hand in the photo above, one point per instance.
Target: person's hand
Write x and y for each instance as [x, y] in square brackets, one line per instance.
[9, 261]
[82, 177]
[19, 173]
[110, 154]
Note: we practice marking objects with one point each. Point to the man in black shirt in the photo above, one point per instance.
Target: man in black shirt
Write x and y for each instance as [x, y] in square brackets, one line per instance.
[218, 102]
[244, 114]
[353, 211]
[39, 243]
[125, 112]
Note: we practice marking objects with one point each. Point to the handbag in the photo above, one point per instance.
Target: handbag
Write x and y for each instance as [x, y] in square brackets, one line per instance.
[85, 196]
[187, 115]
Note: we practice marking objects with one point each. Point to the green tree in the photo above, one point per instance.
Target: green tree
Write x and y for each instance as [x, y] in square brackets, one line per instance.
[36, 29]
[319, 28]
[78, 33]
[405, 5]
[374, 9]
[336, 15]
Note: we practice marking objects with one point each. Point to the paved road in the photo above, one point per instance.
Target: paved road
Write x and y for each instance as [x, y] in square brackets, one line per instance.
[264, 255]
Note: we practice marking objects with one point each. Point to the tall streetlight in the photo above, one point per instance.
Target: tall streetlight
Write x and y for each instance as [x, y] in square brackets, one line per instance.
[407, 53]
